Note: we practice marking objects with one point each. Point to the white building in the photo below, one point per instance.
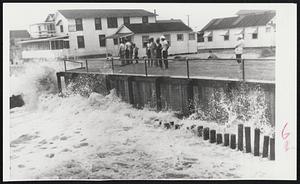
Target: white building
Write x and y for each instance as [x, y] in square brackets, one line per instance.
[257, 27]
[181, 38]
[84, 32]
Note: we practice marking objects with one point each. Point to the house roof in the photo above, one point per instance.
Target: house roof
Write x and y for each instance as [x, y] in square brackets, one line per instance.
[158, 27]
[91, 13]
[244, 12]
[19, 34]
[50, 16]
[248, 20]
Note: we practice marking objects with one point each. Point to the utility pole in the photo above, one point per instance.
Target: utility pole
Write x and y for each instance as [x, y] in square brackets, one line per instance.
[188, 49]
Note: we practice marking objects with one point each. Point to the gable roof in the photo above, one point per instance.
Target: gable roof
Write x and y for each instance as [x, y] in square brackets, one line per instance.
[92, 13]
[239, 21]
[158, 27]
[19, 34]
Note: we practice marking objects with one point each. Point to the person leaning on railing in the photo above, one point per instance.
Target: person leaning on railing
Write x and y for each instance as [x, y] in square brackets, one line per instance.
[239, 48]
[165, 47]
[158, 52]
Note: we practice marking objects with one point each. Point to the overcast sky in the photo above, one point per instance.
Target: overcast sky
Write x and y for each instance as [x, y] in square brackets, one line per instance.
[21, 15]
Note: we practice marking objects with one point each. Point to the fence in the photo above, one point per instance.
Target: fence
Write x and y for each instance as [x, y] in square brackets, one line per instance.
[255, 69]
[241, 142]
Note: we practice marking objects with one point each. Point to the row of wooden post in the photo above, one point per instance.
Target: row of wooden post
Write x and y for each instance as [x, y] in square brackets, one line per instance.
[230, 140]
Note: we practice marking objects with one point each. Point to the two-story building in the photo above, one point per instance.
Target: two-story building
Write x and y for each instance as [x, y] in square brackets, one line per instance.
[15, 49]
[86, 32]
[257, 27]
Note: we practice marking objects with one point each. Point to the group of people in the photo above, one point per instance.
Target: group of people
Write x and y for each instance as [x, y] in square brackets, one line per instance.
[128, 52]
[156, 51]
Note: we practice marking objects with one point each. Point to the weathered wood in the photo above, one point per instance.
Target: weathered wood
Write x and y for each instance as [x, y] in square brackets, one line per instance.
[226, 139]
[206, 133]
[265, 146]
[240, 137]
[248, 139]
[158, 94]
[219, 138]
[130, 90]
[256, 141]
[199, 130]
[232, 141]
[212, 137]
[58, 75]
[272, 149]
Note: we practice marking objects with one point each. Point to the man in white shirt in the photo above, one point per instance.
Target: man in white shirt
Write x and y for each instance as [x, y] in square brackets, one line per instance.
[165, 47]
[239, 48]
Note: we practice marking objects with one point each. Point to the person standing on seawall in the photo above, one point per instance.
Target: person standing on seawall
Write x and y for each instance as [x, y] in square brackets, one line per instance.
[122, 52]
[239, 48]
[165, 47]
[158, 52]
[135, 52]
[148, 52]
[153, 52]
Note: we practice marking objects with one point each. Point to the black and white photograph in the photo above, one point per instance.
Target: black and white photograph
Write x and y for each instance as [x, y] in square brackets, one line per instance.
[149, 91]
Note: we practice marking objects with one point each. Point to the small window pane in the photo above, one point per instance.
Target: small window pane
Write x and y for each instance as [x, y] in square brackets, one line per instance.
[226, 37]
[102, 40]
[78, 23]
[179, 37]
[126, 20]
[98, 25]
[210, 38]
[115, 41]
[61, 28]
[80, 41]
[112, 22]
[145, 19]
[254, 36]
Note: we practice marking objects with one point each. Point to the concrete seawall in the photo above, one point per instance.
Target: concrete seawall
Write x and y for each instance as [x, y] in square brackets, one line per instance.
[178, 94]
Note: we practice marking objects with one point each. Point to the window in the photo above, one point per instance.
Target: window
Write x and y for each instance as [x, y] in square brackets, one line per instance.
[254, 36]
[112, 22]
[115, 41]
[268, 29]
[126, 20]
[145, 41]
[66, 45]
[179, 37]
[168, 38]
[61, 28]
[145, 19]
[210, 38]
[78, 23]
[200, 37]
[102, 40]
[98, 25]
[226, 37]
[191, 36]
[80, 41]
[57, 44]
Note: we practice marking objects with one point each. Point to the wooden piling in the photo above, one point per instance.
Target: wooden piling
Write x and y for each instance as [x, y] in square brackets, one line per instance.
[212, 138]
[219, 138]
[59, 82]
[226, 139]
[248, 139]
[199, 130]
[256, 141]
[206, 133]
[272, 149]
[232, 141]
[240, 137]
[265, 146]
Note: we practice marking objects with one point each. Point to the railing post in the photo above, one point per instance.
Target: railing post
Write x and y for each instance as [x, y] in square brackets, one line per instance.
[65, 65]
[112, 64]
[243, 69]
[146, 72]
[187, 68]
[86, 66]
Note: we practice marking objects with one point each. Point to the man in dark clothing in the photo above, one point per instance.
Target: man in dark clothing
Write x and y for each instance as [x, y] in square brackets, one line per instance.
[158, 52]
[135, 52]
[165, 47]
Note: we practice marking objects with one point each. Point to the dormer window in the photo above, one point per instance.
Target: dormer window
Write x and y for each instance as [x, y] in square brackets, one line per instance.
[145, 19]
[126, 20]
